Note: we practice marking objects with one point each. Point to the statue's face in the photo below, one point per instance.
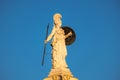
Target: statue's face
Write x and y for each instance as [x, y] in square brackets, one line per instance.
[58, 23]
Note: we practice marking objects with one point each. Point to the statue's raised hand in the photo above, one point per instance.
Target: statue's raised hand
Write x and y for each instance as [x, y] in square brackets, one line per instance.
[45, 42]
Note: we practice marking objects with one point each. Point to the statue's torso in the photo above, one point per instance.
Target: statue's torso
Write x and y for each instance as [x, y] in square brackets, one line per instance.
[58, 36]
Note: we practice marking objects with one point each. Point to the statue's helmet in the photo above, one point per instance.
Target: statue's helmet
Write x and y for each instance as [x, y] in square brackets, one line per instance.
[57, 16]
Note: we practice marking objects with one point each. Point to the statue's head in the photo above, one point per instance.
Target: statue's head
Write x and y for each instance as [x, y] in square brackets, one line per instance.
[57, 16]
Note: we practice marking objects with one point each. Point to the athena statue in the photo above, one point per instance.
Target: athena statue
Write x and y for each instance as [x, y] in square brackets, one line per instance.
[59, 51]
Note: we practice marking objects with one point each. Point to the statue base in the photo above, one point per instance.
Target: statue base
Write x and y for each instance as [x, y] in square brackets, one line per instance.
[60, 74]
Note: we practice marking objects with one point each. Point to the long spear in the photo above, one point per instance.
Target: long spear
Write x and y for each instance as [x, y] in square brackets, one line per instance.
[45, 45]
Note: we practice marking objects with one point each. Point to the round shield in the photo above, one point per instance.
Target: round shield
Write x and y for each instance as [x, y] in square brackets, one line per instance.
[69, 40]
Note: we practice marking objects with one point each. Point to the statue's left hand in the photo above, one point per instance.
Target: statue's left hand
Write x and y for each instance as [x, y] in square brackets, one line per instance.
[70, 33]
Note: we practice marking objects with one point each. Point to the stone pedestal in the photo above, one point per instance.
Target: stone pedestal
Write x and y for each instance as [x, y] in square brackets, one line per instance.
[60, 74]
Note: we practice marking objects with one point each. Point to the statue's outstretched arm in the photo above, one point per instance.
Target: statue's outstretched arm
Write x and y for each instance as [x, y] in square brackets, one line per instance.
[69, 34]
[51, 35]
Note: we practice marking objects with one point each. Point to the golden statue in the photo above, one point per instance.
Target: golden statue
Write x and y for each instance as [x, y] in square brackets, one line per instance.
[60, 69]
[59, 51]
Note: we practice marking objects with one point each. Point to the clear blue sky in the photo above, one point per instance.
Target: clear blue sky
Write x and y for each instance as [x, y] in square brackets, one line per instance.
[95, 55]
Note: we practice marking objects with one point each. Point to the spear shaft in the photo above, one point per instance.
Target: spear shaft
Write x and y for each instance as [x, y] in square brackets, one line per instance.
[44, 52]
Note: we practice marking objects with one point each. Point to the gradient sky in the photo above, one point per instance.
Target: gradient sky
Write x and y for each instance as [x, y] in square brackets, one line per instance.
[95, 55]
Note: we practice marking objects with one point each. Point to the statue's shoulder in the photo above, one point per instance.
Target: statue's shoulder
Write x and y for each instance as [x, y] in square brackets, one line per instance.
[61, 29]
